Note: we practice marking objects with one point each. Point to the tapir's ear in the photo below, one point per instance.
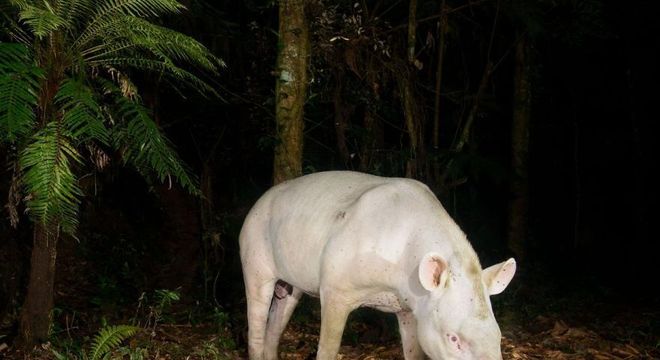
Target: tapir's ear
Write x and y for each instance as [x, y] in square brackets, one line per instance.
[498, 276]
[433, 271]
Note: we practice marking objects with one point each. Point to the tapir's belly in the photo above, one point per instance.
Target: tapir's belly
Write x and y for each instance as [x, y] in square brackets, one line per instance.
[384, 301]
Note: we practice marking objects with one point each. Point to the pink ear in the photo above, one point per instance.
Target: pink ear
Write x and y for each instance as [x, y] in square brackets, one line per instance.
[497, 277]
[432, 271]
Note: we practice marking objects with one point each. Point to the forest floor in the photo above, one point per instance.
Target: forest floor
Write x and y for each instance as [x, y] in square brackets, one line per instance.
[574, 327]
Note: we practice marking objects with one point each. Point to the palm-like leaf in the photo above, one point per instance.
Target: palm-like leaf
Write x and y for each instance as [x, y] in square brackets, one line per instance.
[82, 116]
[108, 10]
[49, 179]
[19, 81]
[109, 338]
[42, 20]
[144, 146]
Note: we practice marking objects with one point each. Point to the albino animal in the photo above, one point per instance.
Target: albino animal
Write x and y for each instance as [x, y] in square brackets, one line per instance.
[360, 240]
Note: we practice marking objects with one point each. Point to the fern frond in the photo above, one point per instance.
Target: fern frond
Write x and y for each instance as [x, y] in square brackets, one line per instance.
[139, 8]
[82, 115]
[52, 188]
[162, 42]
[145, 147]
[112, 9]
[109, 338]
[19, 83]
[74, 11]
[15, 58]
[167, 69]
[42, 21]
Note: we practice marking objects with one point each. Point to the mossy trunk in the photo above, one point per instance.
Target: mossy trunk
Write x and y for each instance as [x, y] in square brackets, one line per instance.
[291, 89]
[36, 313]
[522, 97]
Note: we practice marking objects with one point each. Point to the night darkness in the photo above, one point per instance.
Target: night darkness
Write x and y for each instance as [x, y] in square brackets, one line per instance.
[586, 286]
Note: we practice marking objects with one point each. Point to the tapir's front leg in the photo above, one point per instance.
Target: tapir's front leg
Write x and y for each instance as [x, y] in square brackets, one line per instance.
[334, 312]
[408, 331]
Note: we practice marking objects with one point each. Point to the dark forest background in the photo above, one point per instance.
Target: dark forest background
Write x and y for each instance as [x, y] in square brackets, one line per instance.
[591, 169]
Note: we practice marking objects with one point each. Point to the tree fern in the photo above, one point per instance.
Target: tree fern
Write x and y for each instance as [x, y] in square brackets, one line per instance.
[51, 104]
[108, 339]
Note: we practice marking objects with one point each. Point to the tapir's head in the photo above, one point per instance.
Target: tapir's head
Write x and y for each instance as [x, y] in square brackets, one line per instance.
[457, 321]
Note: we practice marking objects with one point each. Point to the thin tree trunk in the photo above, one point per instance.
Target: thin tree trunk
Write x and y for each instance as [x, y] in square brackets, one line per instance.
[341, 122]
[374, 137]
[522, 103]
[438, 76]
[412, 120]
[435, 140]
[36, 313]
[291, 89]
[465, 132]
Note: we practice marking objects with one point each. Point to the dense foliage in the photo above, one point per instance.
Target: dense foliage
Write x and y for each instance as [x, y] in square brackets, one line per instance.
[66, 96]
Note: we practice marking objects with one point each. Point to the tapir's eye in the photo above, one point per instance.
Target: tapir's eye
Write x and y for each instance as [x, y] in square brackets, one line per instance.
[454, 342]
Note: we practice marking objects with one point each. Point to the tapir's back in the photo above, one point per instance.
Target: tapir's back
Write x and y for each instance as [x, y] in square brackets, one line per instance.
[297, 219]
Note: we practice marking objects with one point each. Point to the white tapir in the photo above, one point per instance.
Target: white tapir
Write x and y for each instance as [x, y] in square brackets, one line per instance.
[361, 240]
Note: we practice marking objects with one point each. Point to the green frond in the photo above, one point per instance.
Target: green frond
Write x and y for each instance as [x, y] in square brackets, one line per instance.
[163, 42]
[109, 338]
[19, 83]
[139, 8]
[14, 57]
[132, 42]
[41, 20]
[108, 10]
[167, 69]
[82, 115]
[145, 147]
[50, 184]
[74, 11]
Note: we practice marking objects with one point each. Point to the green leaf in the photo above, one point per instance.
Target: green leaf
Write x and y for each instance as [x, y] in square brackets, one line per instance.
[51, 186]
[42, 21]
[19, 84]
[108, 339]
[145, 147]
[82, 115]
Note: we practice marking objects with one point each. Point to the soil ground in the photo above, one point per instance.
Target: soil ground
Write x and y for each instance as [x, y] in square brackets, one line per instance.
[561, 328]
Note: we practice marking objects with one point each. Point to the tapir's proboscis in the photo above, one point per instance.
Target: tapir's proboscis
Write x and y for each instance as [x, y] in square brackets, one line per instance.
[356, 240]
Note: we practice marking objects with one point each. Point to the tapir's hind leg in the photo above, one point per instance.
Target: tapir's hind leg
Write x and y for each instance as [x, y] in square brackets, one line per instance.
[259, 293]
[280, 312]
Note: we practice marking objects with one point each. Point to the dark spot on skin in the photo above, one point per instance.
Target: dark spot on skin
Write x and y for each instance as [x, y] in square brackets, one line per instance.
[341, 215]
[453, 338]
[282, 289]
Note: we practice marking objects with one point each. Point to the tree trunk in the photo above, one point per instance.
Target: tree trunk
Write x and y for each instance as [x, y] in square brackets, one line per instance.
[435, 140]
[438, 76]
[522, 98]
[414, 166]
[342, 114]
[36, 313]
[374, 136]
[291, 89]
